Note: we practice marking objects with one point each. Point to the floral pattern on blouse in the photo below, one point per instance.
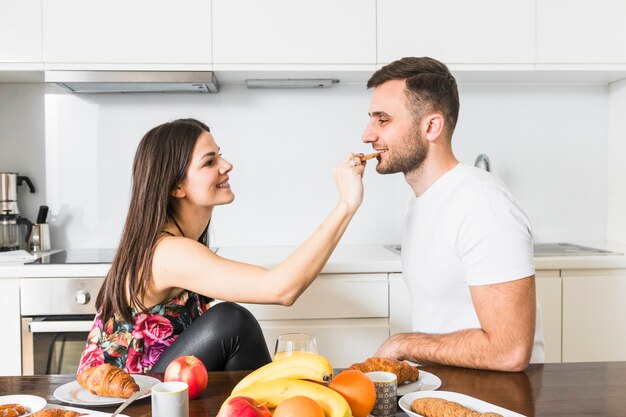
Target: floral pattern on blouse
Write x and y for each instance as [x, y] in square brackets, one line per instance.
[137, 346]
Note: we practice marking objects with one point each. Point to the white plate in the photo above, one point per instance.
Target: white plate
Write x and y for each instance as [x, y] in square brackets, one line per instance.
[465, 400]
[84, 411]
[74, 393]
[425, 382]
[31, 402]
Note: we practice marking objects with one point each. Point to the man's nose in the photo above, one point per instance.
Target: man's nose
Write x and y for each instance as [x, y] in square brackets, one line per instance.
[369, 135]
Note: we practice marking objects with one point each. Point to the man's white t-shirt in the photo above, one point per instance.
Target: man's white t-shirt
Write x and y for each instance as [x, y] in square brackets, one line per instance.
[465, 230]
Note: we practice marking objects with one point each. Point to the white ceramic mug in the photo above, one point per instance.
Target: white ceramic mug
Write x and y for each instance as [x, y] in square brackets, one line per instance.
[386, 384]
[170, 399]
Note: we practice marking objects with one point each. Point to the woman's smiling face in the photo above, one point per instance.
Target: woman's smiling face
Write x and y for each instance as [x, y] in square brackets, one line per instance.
[206, 183]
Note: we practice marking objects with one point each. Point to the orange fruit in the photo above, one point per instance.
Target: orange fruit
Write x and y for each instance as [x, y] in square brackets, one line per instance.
[357, 389]
[299, 406]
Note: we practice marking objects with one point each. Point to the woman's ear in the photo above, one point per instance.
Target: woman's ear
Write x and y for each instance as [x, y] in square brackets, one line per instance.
[433, 126]
[178, 192]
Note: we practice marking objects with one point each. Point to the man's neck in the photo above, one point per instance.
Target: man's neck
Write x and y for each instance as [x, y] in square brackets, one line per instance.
[430, 171]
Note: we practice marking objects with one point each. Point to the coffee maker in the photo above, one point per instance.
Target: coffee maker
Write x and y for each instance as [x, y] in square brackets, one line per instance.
[12, 235]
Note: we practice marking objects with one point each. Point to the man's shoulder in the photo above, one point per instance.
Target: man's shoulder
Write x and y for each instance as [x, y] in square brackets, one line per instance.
[476, 185]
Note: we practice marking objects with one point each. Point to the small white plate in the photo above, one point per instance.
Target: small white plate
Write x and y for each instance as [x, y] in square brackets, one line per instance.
[31, 402]
[465, 400]
[425, 382]
[84, 411]
[74, 393]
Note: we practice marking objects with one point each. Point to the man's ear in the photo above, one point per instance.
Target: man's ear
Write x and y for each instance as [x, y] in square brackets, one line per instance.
[433, 125]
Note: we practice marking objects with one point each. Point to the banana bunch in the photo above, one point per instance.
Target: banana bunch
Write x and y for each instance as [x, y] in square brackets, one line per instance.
[275, 391]
[285, 378]
[300, 365]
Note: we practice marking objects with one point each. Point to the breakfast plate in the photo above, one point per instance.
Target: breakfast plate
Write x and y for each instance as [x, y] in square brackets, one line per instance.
[465, 400]
[31, 402]
[74, 393]
[425, 382]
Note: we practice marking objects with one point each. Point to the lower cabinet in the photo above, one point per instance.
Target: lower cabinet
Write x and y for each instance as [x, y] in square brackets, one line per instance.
[342, 341]
[347, 313]
[11, 346]
[594, 315]
[549, 297]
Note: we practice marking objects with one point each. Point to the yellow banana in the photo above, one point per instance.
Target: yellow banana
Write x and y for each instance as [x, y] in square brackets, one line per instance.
[275, 391]
[301, 365]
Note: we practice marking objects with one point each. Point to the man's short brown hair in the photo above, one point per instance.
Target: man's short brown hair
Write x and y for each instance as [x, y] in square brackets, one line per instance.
[430, 87]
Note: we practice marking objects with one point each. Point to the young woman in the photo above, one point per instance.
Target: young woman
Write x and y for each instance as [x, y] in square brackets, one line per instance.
[155, 304]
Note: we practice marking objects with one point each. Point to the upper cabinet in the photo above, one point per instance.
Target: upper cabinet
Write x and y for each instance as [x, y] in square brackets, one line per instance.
[127, 32]
[20, 31]
[294, 32]
[457, 31]
[581, 32]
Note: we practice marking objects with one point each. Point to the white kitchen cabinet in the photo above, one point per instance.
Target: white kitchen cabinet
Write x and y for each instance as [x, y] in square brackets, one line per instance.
[155, 32]
[399, 305]
[548, 286]
[549, 296]
[342, 341]
[20, 31]
[347, 313]
[583, 31]
[294, 32]
[594, 315]
[11, 346]
[457, 31]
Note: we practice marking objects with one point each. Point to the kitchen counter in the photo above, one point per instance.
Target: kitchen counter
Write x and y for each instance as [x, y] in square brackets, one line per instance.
[568, 389]
[352, 259]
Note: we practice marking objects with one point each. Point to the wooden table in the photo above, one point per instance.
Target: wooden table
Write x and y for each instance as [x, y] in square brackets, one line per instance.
[572, 389]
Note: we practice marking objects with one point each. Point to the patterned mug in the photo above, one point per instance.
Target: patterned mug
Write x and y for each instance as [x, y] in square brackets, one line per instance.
[386, 384]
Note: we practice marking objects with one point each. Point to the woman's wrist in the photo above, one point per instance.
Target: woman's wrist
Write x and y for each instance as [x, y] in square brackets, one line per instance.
[347, 208]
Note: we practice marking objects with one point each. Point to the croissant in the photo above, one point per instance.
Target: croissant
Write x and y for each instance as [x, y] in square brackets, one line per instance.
[56, 412]
[12, 410]
[108, 380]
[404, 371]
[439, 407]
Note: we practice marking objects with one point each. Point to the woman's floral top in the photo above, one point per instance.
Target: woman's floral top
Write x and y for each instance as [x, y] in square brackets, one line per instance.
[137, 346]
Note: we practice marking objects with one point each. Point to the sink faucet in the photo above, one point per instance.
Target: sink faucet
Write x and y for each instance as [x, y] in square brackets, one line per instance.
[483, 160]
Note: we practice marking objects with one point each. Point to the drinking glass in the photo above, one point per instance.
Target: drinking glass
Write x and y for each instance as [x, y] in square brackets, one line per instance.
[290, 343]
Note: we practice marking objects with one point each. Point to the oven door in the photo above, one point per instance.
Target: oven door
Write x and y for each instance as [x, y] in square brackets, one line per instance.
[53, 344]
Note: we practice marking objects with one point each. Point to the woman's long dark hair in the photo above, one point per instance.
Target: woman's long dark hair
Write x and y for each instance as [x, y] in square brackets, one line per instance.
[160, 165]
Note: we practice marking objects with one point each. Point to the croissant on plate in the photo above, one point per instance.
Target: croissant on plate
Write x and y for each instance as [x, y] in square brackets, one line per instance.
[56, 412]
[108, 380]
[12, 410]
[404, 371]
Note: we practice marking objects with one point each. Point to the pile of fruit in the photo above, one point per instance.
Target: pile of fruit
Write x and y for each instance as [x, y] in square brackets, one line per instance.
[301, 385]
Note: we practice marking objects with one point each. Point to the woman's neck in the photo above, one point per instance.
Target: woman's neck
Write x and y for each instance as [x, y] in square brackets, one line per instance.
[190, 224]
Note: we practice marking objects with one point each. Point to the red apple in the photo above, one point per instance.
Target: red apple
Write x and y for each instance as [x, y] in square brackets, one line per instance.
[243, 407]
[190, 370]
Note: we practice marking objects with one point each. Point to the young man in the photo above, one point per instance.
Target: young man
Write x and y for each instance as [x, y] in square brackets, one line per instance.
[467, 252]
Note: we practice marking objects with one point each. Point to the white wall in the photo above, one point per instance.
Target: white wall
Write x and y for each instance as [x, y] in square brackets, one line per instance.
[22, 141]
[548, 142]
[616, 223]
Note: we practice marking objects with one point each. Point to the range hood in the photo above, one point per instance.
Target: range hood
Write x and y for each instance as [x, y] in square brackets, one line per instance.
[134, 81]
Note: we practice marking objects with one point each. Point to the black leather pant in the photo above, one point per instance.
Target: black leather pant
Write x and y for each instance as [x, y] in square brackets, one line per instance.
[225, 338]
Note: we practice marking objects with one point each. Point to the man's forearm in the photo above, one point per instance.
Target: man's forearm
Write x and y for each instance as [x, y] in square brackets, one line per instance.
[470, 348]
